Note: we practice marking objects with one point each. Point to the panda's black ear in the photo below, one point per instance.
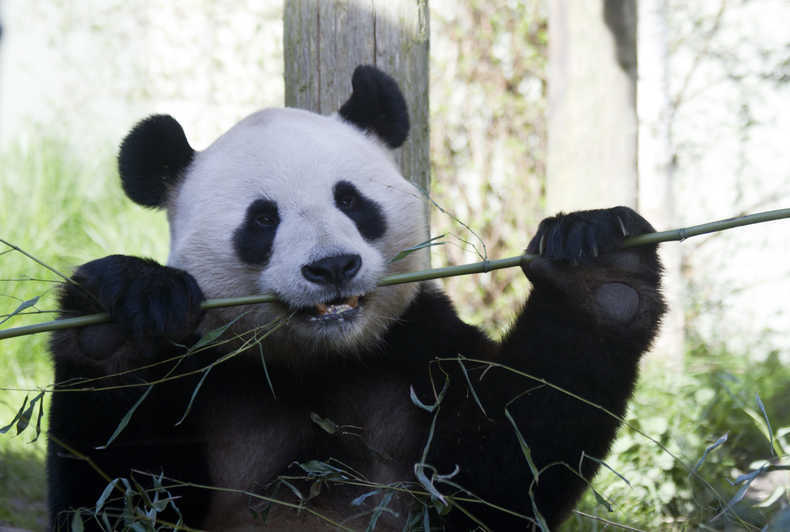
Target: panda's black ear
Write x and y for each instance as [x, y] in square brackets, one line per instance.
[377, 105]
[152, 158]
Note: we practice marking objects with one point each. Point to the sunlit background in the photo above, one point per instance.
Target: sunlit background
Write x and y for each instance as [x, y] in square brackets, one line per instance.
[713, 94]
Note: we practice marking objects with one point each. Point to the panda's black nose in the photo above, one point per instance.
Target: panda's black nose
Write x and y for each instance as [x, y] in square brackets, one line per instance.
[334, 270]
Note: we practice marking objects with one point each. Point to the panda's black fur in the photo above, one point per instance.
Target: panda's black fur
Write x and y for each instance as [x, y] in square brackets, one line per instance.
[593, 311]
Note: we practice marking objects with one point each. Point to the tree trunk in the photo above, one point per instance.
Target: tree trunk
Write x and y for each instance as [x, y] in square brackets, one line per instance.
[324, 40]
[592, 139]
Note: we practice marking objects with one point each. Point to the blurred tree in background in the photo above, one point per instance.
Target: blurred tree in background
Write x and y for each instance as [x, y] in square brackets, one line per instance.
[488, 143]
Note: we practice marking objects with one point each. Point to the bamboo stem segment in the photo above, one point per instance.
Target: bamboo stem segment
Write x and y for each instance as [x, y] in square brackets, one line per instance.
[436, 273]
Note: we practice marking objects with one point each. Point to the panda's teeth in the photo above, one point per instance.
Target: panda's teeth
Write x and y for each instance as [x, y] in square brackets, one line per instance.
[337, 307]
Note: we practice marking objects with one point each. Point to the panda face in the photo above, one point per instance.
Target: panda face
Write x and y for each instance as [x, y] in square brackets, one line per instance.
[306, 207]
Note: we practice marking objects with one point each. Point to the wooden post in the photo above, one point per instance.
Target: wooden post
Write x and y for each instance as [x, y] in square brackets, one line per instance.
[324, 40]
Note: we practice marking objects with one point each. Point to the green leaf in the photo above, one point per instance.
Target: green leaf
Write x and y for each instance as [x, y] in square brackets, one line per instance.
[24, 419]
[105, 495]
[359, 500]
[327, 424]
[708, 449]
[422, 245]
[471, 388]
[317, 468]
[294, 489]
[210, 336]
[524, 447]
[381, 508]
[16, 417]
[76, 522]
[419, 472]
[38, 420]
[266, 371]
[25, 304]
[428, 408]
[607, 466]
[126, 418]
[599, 499]
[767, 423]
[194, 394]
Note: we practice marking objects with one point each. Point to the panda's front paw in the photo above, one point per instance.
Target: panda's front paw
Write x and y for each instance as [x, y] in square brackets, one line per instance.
[583, 236]
[581, 264]
[147, 301]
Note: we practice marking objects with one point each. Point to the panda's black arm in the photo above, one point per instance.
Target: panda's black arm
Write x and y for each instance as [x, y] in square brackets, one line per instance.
[583, 330]
[96, 383]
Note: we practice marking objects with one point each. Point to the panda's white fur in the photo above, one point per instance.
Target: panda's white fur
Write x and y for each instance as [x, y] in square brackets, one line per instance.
[295, 158]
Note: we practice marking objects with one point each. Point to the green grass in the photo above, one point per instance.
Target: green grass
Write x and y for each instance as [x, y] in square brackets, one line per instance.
[687, 412]
[65, 211]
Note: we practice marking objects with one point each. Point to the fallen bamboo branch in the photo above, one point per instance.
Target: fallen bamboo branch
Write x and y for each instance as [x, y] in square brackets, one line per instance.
[436, 273]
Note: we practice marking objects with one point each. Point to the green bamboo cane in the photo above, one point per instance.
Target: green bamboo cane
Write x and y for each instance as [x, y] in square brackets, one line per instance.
[424, 275]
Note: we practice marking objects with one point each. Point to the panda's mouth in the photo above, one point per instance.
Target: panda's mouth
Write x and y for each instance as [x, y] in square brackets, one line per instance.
[341, 308]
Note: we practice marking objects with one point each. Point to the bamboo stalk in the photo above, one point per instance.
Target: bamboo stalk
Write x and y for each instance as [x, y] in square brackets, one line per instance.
[423, 275]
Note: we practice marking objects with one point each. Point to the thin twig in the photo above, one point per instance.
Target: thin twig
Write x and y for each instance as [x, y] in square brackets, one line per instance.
[478, 267]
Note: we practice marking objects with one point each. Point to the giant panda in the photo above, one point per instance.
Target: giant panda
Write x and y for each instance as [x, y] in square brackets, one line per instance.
[344, 403]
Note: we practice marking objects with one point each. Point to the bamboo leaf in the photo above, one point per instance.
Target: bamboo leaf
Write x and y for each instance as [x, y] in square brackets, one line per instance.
[708, 449]
[294, 489]
[16, 417]
[126, 418]
[105, 495]
[767, 423]
[600, 500]
[428, 408]
[266, 371]
[24, 419]
[359, 500]
[25, 304]
[524, 447]
[422, 245]
[419, 472]
[212, 335]
[607, 466]
[76, 522]
[328, 425]
[38, 420]
[471, 388]
[382, 507]
[194, 394]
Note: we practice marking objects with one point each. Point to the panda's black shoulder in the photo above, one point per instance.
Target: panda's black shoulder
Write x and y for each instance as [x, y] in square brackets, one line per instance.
[431, 328]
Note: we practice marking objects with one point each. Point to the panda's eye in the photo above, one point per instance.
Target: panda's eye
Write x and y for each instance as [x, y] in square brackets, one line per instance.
[347, 201]
[263, 214]
[346, 196]
[363, 211]
[267, 220]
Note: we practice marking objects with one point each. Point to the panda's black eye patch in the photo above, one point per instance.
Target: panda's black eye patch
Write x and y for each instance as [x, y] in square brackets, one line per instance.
[254, 238]
[364, 212]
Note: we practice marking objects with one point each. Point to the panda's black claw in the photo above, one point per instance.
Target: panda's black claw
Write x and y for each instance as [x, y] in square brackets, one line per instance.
[622, 227]
[583, 236]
